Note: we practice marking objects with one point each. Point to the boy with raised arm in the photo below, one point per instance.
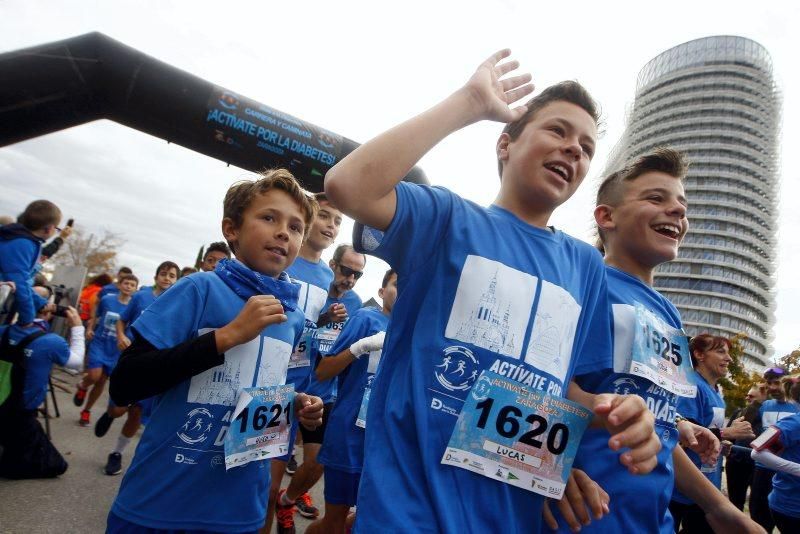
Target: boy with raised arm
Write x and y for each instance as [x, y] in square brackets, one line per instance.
[480, 289]
[213, 339]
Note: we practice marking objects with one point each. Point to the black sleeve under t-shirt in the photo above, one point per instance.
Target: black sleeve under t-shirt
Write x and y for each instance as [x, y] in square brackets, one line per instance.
[144, 371]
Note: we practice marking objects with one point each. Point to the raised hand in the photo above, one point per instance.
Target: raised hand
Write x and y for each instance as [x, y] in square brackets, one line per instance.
[491, 95]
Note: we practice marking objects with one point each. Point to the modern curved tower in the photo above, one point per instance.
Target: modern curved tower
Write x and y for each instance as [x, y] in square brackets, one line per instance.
[715, 99]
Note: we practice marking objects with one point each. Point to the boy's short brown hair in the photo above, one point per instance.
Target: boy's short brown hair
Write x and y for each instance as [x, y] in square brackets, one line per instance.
[566, 91]
[241, 194]
[40, 214]
[125, 277]
[663, 159]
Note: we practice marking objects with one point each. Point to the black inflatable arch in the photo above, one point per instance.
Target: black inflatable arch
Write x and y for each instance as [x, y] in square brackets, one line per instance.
[54, 86]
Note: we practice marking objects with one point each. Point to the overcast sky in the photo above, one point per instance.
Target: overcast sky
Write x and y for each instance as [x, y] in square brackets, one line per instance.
[358, 68]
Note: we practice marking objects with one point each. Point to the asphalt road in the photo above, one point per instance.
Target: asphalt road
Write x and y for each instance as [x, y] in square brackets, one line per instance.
[79, 500]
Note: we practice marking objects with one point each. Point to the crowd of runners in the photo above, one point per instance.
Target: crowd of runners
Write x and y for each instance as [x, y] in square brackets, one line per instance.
[512, 377]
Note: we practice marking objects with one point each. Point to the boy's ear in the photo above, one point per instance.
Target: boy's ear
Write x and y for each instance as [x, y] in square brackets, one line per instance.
[380, 293]
[332, 264]
[229, 231]
[604, 217]
[502, 147]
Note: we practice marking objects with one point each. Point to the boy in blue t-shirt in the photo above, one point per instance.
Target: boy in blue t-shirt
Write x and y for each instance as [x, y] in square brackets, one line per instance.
[480, 289]
[641, 220]
[354, 359]
[166, 275]
[314, 277]
[101, 332]
[198, 347]
[20, 247]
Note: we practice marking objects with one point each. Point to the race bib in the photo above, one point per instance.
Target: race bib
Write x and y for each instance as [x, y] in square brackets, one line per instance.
[372, 368]
[110, 323]
[260, 426]
[327, 336]
[661, 354]
[301, 357]
[517, 436]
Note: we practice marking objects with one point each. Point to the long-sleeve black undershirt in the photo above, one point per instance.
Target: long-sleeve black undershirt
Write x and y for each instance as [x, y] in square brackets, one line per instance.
[144, 371]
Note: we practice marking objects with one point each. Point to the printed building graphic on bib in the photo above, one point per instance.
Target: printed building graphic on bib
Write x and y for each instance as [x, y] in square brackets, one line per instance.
[262, 361]
[492, 306]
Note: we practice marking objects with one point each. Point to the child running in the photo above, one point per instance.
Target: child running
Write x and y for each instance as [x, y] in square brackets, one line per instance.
[198, 346]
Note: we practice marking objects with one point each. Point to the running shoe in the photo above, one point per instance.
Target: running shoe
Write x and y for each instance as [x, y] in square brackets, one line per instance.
[306, 507]
[114, 464]
[80, 395]
[284, 515]
[85, 419]
[291, 466]
[102, 425]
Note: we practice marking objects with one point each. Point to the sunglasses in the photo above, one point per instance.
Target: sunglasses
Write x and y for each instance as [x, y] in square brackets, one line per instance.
[347, 271]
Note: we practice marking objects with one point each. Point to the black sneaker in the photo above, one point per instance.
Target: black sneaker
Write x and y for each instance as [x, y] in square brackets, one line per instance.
[102, 425]
[114, 464]
[305, 506]
[291, 466]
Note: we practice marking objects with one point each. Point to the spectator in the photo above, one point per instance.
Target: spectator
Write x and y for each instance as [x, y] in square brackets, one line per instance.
[739, 466]
[89, 292]
[20, 248]
[50, 249]
[27, 451]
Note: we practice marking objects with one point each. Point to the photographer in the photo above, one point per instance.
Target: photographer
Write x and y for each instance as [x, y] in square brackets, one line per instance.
[32, 350]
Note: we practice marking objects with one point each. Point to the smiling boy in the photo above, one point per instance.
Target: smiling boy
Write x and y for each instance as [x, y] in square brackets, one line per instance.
[197, 347]
[480, 289]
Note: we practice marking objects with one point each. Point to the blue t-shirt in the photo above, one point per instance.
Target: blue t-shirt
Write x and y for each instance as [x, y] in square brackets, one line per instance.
[771, 411]
[40, 354]
[177, 479]
[708, 410]
[478, 289]
[19, 261]
[326, 338]
[785, 495]
[104, 342]
[343, 446]
[138, 303]
[108, 289]
[646, 498]
[314, 280]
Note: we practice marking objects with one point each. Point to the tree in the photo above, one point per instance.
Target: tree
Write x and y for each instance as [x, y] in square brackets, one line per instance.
[739, 380]
[97, 254]
[791, 362]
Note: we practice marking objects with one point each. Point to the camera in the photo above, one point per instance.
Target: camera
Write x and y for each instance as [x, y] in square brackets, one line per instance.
[61, 311]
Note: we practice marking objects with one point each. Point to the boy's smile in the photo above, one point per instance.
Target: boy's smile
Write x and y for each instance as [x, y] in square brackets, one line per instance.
[544, 166]
[270, 235]
[649, 223]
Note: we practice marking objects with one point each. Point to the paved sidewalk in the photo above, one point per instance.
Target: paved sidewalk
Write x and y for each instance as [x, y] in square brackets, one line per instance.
[79, 500]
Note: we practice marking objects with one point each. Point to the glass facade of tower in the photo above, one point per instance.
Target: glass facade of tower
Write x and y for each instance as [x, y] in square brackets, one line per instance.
[715, 100]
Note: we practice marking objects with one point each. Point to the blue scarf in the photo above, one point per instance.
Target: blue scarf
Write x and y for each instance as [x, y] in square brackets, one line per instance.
[247, 283]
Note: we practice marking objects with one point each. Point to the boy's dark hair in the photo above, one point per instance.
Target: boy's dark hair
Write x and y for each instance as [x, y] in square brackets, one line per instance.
[705, 343]
[566, 91]
[321, 197]
[218, 246]
[124, 270]
[241, 194]
[338, 254]
[169, 265]
[39, 214]
[662, 159]
[186, 271]
[387, 277]
[125, 277]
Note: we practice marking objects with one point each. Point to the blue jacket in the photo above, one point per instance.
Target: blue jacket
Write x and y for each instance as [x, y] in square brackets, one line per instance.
[19, 252]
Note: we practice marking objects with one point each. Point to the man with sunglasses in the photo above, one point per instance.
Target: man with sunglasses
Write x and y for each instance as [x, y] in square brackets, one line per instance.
[775, 408]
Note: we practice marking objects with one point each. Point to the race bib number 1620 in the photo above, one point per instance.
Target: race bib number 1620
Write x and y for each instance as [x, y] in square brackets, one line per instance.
[526, 438]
